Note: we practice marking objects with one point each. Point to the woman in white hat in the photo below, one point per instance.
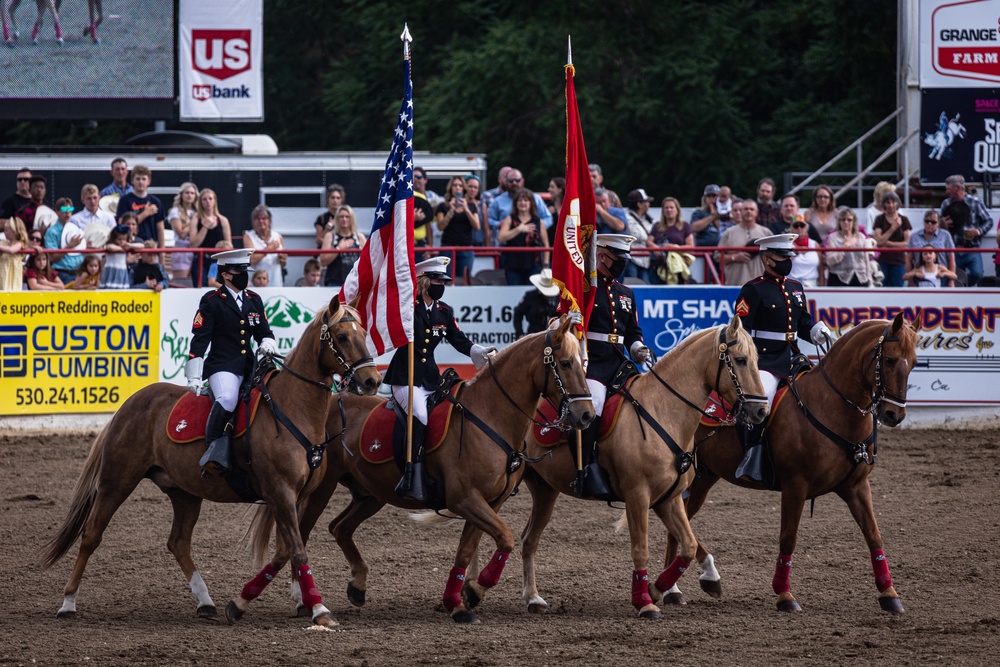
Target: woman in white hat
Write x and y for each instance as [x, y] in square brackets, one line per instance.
[538, 305]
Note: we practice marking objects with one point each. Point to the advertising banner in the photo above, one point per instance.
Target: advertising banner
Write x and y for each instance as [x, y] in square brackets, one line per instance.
[221, 60]
[960, 133]
[75, 352]
[959, 43]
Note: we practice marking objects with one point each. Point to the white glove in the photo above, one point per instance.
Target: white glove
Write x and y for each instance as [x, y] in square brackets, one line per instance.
[267, 346]
[192, 371]
[639, 352]
[480, 354]
[576, 317]
[820, 334]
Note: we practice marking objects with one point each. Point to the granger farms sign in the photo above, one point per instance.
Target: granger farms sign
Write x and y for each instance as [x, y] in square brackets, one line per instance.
[959, 43]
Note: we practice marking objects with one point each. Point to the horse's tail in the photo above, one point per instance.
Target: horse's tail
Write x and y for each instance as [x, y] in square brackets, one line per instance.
[259, 534]
[621, 522]
[82, 505]
[435, 518]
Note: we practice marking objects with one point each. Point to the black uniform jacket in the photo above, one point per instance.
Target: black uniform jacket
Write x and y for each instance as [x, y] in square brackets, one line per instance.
[614, 313]
[775, 306]
[221, 323]
[430, 327]
[537, 309]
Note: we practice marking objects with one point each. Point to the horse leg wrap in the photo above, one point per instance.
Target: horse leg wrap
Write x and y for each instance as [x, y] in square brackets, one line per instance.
[490, 576]
[453, 589]
[640, 589]
[880, 566]
[782, 582]
[669, 576]
[310, 596]
[257, 585]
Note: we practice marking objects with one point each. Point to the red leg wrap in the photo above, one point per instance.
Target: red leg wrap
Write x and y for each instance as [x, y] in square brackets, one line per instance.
[669, 576]
[490, 575]
[453, 589]
[640, 589]
[782, 582]
[880, 566]
[310, 596]
[256, 586]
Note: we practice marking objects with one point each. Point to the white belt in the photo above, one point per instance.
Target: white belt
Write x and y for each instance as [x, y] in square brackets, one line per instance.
[614, 339]
[773, 335]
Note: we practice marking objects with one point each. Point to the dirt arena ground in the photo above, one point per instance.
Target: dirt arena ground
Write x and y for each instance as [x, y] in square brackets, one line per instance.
[937, 500]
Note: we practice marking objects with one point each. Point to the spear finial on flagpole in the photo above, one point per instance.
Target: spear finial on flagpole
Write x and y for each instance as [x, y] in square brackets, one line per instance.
[405, 37]
[569, 49]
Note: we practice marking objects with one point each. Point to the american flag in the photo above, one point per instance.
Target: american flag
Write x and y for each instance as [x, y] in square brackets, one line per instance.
[383, 278]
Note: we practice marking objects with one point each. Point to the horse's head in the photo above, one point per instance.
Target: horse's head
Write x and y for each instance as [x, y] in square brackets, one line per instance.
[342, 348]
[565, 380]
[738, 355]
[888, 370]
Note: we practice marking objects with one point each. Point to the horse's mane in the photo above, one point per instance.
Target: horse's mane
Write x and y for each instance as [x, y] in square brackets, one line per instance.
[569, 340]
[681, 347]
[316, 323]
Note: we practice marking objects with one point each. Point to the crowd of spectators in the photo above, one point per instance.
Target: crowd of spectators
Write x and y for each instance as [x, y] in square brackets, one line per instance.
[111, 241]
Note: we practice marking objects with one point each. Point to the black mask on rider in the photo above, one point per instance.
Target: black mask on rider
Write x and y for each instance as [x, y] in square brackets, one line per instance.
[240, 280]
[782, 266]
[435, 291]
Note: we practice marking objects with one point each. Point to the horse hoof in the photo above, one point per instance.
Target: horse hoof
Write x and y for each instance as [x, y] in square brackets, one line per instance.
[650, 613]
[233, 613]
[465, 617]
[302, 611]
[470, 597]
[675, 598]
[538, 608]
[67, 615]
[60, 40]
[891, 605]
[789, 605]
[326, 621]
[208, 611]
[713, 588]
[355, 595]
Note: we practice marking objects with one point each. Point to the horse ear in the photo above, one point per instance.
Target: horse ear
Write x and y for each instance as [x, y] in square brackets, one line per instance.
[735, 325]
[565, 322]
[897, 324]
[335, 303]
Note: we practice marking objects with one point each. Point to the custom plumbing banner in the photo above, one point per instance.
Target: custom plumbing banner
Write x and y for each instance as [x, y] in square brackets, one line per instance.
[959, 43]
[221, 57]
[75, 352]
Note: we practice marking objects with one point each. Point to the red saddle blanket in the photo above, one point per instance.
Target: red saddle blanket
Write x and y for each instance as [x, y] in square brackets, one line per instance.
[716, 408]
[376, 433]
[187, 419]
[609, 417]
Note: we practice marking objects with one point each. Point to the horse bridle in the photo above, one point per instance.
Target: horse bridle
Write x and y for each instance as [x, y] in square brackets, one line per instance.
[326, 336]
[879, 391]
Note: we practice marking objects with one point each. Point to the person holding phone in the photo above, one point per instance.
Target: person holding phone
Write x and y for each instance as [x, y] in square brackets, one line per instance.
[457, 219]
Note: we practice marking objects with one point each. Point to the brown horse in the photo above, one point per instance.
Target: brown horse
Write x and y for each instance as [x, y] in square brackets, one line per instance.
[649, 457]
[822, 439]
[134, 445]
[477, 470]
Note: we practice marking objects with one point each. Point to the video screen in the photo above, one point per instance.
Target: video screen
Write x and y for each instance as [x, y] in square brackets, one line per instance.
[87, 59]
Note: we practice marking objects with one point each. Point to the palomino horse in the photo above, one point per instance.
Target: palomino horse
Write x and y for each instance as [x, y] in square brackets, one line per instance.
[134, 445]
[477, 469]
[52, 6]
[648, 455]
[822, 439]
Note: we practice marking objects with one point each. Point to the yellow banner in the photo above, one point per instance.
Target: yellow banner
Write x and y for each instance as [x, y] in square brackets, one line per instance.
[76, 351]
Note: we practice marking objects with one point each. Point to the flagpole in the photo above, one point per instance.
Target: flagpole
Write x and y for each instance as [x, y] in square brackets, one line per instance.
[406, 39]
[579, 433]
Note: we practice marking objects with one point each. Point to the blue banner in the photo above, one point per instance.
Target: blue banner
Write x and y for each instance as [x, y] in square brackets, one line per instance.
[668, 315]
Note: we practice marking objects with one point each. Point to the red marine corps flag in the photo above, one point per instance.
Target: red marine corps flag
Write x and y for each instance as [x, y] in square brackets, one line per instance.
[573, 252]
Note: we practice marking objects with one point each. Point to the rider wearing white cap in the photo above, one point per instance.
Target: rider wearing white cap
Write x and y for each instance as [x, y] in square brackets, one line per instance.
[774, 310]
[227, 318]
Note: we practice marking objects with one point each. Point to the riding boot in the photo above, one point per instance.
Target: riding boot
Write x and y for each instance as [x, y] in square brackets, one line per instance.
[592, 481]
[412, 485]
[218, 432]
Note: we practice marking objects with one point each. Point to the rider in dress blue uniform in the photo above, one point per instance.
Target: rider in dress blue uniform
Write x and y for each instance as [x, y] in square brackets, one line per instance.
[227, 319]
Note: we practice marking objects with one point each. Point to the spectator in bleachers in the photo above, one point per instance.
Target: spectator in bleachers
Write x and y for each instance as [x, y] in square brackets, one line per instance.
[489, 234]
[537, 306]
[88, 275]
[36, 240]
[502, 206]
[39, 276]
[847, 269]
[21, 196]
[420, 185]
[640, 225]
[312, 274]
[65, 236]
[557, 190]
[523, 228]
[966, 217]
[213, 270]
[344, 236]
[473, 188]
[115, 274]
[705, 219]
[768, 210]
[148, 273]
[931, 235]
[822, 212]
[36, 204]
[149, 211]
[610, 219]
[259, 278]
[874, 209]
[181, 217]
[92, 213]
[671, 230]
[724, 207]
[457, 219]
[210, 227]
[928, 272]
[263, 237]
[808, 266]
[743, 265]
[119, 179]
[892, 230]
[336, 196]
[11, 262]
[597, 178]
[131, 220]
